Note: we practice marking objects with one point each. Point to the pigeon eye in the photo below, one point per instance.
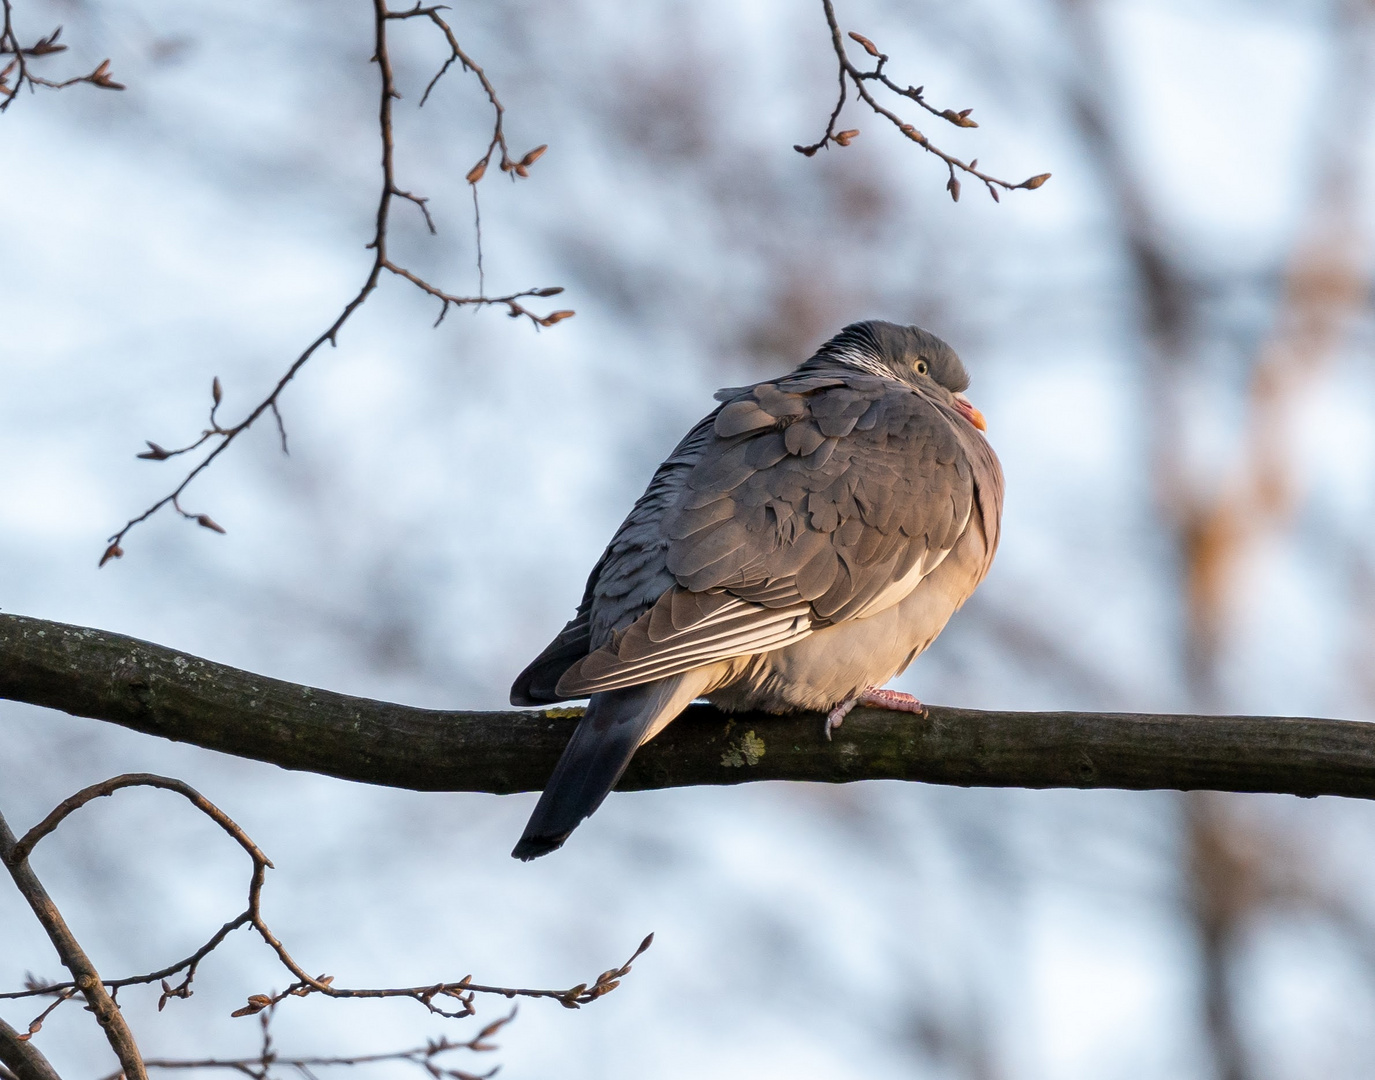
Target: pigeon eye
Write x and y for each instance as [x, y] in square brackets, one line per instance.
[921, 367]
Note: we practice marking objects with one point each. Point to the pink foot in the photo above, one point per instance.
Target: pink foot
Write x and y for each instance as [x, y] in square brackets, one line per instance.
[893, 700]
[836, 716]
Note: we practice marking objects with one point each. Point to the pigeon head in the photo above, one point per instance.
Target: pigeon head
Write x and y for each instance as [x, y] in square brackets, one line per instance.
[906, 353]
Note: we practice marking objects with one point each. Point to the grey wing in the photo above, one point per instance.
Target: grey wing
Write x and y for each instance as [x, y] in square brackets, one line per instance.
[812, 500]
[629, 577]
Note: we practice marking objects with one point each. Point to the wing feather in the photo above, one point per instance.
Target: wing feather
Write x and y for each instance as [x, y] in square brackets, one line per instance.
[802, 502]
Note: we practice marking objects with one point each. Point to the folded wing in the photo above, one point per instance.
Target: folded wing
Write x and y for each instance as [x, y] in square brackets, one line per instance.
[800, 503]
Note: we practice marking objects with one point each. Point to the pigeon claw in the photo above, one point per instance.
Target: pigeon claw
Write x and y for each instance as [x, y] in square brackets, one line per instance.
[893, 700]
[836, 716]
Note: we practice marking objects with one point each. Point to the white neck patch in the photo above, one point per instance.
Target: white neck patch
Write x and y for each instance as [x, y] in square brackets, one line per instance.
[864, 361]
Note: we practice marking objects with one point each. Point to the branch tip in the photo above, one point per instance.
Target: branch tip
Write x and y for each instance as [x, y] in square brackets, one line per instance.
[850, 75]
[221, 436]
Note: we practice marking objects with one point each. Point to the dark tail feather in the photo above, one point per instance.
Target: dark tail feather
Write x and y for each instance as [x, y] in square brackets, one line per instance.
[596, 756]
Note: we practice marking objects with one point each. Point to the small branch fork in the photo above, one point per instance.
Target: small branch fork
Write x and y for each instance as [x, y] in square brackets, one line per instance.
[20, 69]
[452, 1000]
[219, 436]
[849, 73]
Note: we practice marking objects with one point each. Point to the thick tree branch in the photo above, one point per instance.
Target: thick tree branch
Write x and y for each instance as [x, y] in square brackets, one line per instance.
[159, 691]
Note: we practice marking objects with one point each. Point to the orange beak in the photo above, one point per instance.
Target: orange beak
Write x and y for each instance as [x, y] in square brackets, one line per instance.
[970, 413]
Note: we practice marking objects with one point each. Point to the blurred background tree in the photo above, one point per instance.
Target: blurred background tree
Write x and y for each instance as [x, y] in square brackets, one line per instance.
[1171, 344]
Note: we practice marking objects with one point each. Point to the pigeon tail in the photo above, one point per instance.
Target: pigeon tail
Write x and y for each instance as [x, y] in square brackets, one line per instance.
[616, 724]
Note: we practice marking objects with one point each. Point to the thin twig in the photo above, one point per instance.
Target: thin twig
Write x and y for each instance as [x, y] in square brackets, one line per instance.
[460, 993]
[20, 67]
[424, 1056]
[849, 73]
[222, 436]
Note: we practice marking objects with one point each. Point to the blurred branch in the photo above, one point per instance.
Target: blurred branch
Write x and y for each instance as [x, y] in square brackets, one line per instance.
[1326, 287]
[1218, 516]
[1225, 886]
[20, 68]
[850, 74]
[1245, 871]
[158, 691]
[218, 436]
[1038, 648]
[1218, 513]
[84, 975]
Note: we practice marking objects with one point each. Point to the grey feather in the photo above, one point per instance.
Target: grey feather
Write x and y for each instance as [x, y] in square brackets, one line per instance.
[601, 747]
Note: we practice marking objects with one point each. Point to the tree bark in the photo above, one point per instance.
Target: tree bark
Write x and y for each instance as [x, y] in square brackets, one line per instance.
[159, 691]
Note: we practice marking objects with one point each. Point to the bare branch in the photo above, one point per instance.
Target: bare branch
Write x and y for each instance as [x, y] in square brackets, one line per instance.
[457, 995]
[84, 975]
[20, 70]
[220, 437]
[159, 691]
[849, 75]
[427, 1057]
